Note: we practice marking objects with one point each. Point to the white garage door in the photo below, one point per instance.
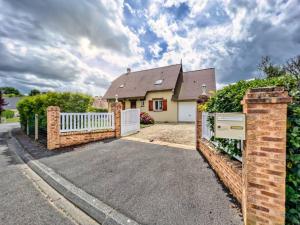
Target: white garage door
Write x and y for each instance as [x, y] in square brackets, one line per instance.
[187, 111]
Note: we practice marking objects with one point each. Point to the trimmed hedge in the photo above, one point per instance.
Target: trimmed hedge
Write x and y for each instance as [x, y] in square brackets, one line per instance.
[229, 99]
[68, 102]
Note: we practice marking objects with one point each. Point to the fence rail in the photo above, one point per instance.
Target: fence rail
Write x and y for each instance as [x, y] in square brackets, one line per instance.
[86, 121]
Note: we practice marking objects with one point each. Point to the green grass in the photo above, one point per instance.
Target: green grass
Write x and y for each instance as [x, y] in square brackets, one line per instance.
[12, 120]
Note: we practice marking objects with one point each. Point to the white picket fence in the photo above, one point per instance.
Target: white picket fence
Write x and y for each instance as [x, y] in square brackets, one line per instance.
[130, 121]
[86, 121]
[207, 133]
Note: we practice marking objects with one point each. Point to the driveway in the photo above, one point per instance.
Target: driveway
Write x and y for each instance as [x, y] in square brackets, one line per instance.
[179, 133]
[149, 183]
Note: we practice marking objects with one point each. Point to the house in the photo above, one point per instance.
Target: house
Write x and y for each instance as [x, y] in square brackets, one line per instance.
[167, 93]
[100, 103]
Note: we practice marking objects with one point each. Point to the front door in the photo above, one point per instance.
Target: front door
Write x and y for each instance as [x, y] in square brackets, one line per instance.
[133, 104]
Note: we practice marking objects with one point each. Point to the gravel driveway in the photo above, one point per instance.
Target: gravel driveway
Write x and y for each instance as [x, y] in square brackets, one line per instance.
[179, 133]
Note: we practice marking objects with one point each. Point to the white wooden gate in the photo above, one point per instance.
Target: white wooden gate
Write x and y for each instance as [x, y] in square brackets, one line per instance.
[130, 121]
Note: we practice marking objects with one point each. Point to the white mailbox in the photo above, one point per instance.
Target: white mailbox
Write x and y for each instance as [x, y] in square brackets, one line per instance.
[230, 125]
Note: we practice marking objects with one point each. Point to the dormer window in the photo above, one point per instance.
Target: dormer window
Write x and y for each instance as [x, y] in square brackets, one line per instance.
[158, 82]
[122, 85]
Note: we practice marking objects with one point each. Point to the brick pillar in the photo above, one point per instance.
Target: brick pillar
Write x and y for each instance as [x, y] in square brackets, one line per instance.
[264, 157]
[53, 127]
[116, 107]
[200, 102]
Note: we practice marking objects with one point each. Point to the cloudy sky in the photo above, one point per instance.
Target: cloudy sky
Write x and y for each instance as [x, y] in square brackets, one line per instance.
[75, 45]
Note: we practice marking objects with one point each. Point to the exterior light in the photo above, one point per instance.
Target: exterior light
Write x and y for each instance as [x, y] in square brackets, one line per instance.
[203, 87]
[116, 96]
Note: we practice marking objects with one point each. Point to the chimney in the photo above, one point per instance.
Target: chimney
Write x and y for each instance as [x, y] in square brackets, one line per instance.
[128, 70]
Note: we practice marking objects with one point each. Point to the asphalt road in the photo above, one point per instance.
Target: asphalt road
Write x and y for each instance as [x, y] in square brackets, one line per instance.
[20, 202]
[151, 184]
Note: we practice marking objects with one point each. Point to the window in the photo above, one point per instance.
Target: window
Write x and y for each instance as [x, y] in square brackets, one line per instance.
[142, 103]
[158, 82]
[158, 105]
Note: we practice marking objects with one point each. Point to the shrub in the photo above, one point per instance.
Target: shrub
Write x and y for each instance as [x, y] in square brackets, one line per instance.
[145, 118]
[93, 109]
[8, 114]
[68, 102]
[229, 99]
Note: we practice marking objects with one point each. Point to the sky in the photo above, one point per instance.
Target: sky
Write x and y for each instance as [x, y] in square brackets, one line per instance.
[81, 46]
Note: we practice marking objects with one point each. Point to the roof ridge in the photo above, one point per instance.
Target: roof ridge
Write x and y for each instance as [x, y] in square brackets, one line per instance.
[151, 68]
[211, 68]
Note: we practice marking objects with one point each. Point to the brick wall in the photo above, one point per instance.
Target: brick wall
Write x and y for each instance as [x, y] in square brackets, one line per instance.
[259, 183]
[228, 170]
[55, 139]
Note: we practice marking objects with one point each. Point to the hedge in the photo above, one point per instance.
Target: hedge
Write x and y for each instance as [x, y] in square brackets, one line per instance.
[8, 114]
[68, 102]
[229, 99]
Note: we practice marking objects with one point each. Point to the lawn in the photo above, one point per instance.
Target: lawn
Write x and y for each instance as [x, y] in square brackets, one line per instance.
[12, 120]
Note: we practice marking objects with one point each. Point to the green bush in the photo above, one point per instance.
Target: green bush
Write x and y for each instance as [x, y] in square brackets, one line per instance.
[68, 102]
[229, 100]
[97, 110]
[8, 114]
[293, 160]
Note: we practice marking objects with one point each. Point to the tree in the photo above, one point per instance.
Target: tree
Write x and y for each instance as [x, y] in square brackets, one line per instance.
[34, 92]
[269, 68]
[292, 66]
[10, 91]
[2, 104]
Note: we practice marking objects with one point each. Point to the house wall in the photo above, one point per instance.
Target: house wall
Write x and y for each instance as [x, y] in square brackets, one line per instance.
[171, 115]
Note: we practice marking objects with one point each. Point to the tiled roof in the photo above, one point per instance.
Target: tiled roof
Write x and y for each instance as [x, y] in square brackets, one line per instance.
[137, 84]
[193, 81]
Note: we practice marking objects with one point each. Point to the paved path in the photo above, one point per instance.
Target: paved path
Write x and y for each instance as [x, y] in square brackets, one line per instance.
[149, 183]
[20, 202]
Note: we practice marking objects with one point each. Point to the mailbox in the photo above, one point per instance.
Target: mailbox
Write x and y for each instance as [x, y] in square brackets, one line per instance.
[230, 125]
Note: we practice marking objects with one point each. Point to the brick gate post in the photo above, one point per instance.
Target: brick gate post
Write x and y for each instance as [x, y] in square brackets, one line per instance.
[200, 102]
[53, 127]
[116, 107]
[264, 157]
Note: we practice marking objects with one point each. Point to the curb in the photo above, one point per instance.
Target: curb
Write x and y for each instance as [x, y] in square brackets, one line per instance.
[92, 206]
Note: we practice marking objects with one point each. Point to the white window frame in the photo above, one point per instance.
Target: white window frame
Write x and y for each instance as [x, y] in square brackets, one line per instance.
[159, 104]
[142, 103]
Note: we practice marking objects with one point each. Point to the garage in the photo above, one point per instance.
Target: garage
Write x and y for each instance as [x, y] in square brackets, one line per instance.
[186, 111]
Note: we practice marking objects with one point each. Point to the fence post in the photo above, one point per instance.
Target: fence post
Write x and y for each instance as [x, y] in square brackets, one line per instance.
[36, 127]
[27, 126]
[202, 99]
[89, 121]
[116, 108]
[53, 127]
[264, 157]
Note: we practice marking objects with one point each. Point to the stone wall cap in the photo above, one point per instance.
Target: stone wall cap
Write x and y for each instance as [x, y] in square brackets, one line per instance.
[267, 89]
[265, 95]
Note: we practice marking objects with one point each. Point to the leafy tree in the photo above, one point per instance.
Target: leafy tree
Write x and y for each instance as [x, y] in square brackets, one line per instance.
[269, 68]
[2, 104]
[11, 91]
[34, 92]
